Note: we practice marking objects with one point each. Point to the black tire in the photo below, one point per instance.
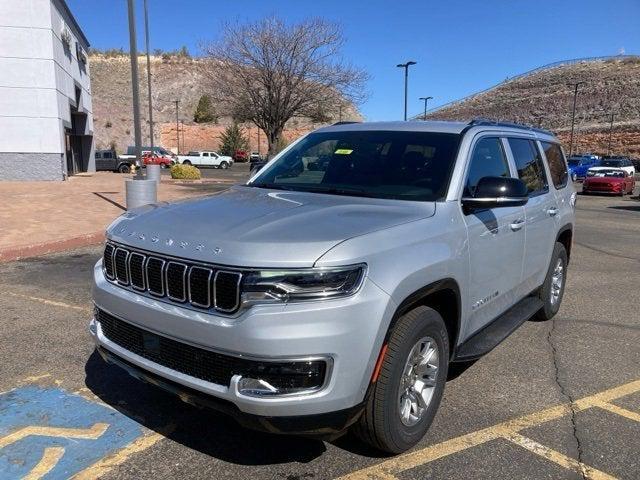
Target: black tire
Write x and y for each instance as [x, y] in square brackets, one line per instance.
[380, 425]
[124, 168]
[224, 165]
[550, 308]
[186, 162]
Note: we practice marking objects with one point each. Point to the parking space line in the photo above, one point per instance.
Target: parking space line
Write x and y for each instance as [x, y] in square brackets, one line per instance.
[50, 459]
[388, 468]
[567, 462]
[104, 465]
[46, 301]
[618, 410]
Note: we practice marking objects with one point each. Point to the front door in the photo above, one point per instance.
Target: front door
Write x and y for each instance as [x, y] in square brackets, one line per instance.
[540, 212]
[496, 240]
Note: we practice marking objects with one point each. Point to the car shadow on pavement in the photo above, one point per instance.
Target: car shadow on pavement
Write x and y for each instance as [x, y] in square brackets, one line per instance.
[629, 208]
[200, 429]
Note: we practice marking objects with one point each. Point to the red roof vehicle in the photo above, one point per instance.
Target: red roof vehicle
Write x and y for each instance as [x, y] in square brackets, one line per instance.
[611, 180]
[157, 159]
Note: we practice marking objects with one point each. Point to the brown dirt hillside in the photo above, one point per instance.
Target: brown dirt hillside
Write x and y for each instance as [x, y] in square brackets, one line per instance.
[173, 78]
[543, 98]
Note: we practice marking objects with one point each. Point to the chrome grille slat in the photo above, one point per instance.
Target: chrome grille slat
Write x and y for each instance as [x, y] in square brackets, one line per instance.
[189, 283]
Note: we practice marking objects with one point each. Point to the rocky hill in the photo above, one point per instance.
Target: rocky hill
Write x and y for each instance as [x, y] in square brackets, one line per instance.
[542, 98]
[174, 77]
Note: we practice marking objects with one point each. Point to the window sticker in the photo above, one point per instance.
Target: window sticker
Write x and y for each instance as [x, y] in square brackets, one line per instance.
[343, 151]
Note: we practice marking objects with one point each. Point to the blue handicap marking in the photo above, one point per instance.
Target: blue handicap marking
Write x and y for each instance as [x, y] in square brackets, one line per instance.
[53, 434]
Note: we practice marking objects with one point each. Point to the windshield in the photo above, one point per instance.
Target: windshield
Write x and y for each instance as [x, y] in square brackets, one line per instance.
[380, 164]
[606, 173]
[611, 163]
[573, 163]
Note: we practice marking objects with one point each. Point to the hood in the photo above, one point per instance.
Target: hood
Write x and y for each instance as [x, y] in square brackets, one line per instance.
[256, 227]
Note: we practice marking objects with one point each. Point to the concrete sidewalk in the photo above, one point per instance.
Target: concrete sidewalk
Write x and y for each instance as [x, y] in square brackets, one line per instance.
[44, 217]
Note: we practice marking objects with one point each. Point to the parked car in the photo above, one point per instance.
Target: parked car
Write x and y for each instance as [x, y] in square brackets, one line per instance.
[206, 159]
[241, 156]
[107, 160]
[156, 159]
[578, 166]
[255, 156]
[619, 162]
[608, 180]
[313, 301]
[131, 153]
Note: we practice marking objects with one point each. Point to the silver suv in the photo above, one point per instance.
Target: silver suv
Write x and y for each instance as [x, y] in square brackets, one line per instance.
[336, 287]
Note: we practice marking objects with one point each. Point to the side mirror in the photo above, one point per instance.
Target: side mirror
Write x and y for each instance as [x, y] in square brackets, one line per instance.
[495, 192]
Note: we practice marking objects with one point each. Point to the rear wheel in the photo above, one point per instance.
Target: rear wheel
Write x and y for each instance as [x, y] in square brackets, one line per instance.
[552, 289]
[186, 162]
[408, 390]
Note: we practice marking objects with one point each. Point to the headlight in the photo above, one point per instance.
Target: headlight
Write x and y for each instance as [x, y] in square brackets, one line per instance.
[271, 286]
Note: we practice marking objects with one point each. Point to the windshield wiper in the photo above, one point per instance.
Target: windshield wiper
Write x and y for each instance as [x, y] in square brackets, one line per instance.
[273, 186]
[356, 192]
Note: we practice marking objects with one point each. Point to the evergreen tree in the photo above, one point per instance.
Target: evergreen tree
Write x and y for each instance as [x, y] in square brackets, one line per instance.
[232, 139]
[204, 111]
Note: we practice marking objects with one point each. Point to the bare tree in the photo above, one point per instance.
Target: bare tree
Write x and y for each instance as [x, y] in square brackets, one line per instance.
[270, 72]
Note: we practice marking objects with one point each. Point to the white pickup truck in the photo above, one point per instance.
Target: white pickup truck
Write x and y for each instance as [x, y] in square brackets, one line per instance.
[206, 159]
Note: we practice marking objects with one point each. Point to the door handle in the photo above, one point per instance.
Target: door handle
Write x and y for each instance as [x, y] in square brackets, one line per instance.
[517, 225]
[553, 211]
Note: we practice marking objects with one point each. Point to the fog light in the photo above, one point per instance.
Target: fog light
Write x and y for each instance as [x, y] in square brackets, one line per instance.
[286, 378]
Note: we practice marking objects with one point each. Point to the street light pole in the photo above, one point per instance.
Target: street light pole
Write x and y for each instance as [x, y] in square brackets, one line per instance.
[177, 129]
[406, 83]
[133, 54]
[146, 33]
[426, 99]
[573, 114]
[610, 132]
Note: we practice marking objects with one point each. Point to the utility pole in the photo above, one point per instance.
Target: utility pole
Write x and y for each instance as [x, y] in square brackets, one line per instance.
[177, 129]
[406, 83]
[133, 54]
[573, 114]
[146, 33]
[426, 99]
[339, 113]
[610, 132]
[182, 126]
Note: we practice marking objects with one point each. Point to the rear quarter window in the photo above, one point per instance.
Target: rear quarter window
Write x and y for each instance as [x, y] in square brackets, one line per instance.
[529, 165]
[557, 165]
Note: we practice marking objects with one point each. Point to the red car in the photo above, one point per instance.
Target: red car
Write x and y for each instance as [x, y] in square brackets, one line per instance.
[241, 156]
[608, 180]
[156, 159]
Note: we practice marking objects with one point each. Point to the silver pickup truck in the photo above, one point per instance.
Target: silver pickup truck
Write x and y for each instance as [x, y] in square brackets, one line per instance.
[313, 300]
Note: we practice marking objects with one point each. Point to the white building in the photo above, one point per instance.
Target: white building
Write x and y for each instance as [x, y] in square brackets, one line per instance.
[46, 124]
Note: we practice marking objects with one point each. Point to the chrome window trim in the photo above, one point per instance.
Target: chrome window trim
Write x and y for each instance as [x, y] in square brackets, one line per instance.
[144, 271]
[184, 282]
[126, 266]
[146, 274]
[209, 286]
[215, 289]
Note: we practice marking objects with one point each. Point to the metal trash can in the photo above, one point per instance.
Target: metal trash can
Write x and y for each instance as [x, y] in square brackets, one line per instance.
[140, 192]
[153, 173]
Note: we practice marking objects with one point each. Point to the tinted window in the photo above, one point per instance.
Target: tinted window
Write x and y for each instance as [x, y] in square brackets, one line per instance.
[555, 160]
[529, 165]
[381, 164]
[611, 163]
[488, 160]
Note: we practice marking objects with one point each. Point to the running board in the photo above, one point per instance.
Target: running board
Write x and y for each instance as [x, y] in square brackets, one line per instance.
[489, 337]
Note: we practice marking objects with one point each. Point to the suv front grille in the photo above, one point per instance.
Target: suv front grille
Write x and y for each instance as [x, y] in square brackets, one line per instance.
[184, 282]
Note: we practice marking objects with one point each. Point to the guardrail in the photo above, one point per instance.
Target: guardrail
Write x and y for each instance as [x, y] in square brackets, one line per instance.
[524, 74]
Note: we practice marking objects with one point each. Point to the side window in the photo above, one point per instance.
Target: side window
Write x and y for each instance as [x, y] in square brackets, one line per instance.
[529, 165]
[557, 165]
[488, 160]
[205, 154]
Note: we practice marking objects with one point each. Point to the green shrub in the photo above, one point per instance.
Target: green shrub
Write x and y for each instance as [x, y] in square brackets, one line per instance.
[185, 172]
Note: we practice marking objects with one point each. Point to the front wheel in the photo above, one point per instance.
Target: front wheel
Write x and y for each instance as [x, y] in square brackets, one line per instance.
[224, 165]
[552, 289]
[406, 395]
[124, 168]
[574, 177]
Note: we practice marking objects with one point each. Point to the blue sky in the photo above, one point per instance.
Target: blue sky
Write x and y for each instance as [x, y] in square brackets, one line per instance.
[460, 46]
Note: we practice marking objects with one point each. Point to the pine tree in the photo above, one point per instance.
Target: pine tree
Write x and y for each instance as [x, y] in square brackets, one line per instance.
[204, 111]
[233, 139]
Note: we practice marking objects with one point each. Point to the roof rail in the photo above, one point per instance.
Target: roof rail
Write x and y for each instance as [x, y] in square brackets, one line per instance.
[485, 121]
[343, 123]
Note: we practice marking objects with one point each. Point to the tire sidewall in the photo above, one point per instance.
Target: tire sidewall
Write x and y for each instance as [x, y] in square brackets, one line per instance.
[550, 309]
[430, 324]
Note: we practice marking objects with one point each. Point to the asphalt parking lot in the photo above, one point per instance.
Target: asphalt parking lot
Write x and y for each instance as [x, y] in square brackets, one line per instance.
[559, 399]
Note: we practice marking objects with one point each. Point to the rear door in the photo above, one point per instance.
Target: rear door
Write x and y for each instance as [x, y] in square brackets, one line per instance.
[541, 211]
[496, 239]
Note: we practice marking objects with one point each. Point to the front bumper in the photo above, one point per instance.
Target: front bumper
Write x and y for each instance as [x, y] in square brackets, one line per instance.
[347, 331]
